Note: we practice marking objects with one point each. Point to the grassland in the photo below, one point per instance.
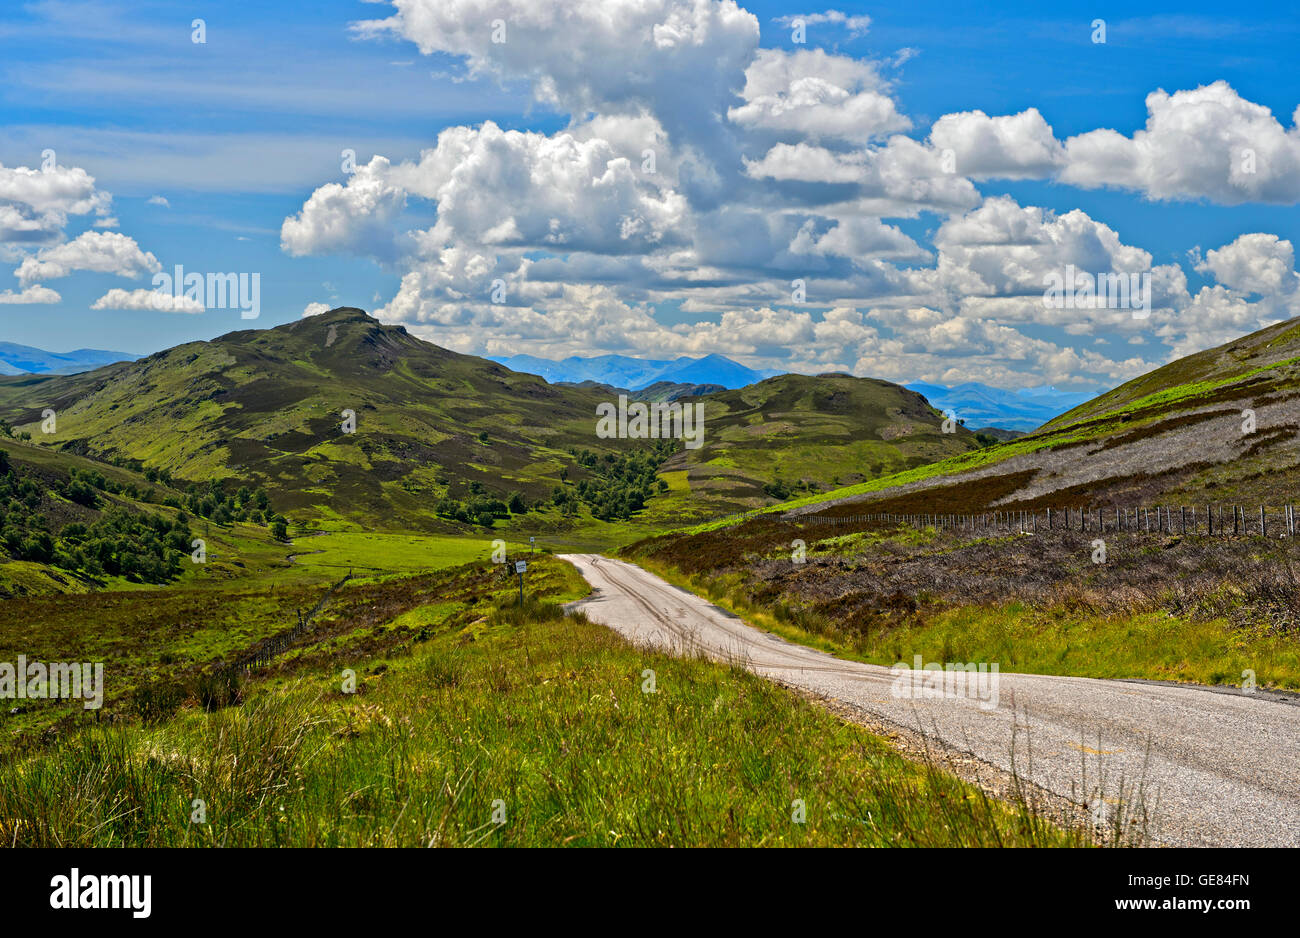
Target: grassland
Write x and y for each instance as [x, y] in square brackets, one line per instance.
[525, 728]
[267, 407]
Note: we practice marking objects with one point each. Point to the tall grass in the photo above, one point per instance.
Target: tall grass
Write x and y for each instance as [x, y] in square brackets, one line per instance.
[1182, 608]
[532, 731]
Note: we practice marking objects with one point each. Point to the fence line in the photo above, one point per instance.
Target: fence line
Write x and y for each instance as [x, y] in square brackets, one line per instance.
[277, 644]
[1208, 520]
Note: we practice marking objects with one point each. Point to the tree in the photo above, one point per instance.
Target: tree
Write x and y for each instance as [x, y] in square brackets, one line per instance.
[279, 530]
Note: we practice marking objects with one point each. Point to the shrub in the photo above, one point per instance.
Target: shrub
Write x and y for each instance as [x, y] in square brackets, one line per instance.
[156, 702]
[220, 688]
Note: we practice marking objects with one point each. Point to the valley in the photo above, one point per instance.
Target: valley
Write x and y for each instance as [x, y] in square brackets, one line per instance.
[305, 537]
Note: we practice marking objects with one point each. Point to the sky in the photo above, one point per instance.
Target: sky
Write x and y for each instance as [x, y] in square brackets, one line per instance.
[883, 189]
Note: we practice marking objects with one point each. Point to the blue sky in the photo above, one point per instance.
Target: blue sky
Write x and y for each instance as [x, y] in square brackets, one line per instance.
[245, 130]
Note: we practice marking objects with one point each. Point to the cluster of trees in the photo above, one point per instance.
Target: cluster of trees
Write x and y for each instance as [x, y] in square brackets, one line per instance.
[144, 548]
[618, 486]
[620, 483]
[212, 501]
[781, 490]
[216, 500]
[6, 429]
[481, 507]
[202, 500]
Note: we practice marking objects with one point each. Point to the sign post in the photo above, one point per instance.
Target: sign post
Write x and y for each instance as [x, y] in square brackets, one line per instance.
[520, 567]
[532, 545]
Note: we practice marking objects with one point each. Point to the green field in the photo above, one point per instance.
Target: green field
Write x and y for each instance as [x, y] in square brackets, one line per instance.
[524, 728]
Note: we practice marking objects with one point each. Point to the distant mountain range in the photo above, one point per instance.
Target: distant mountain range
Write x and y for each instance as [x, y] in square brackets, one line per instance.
[622, 371]
[25, 360]
[659, 391]
[980, 405]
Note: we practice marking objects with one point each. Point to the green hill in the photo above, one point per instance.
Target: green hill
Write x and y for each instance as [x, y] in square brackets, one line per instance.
[796, 433]
[443, 439]
[1218, 427]
[267, 406]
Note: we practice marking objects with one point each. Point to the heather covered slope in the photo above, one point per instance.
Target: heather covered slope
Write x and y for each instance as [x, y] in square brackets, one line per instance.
[780, 435]
[267, 408]
[1220, 426]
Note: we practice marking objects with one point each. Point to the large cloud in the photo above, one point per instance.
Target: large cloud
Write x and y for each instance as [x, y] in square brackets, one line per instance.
[676, 59]
[1205, 143]
[356, 218]
[105, 252]
[1012, 146]
[152, 300]
[35, 294]
[1254, 263]
[700, 172]
[811, 95]
[35, 204]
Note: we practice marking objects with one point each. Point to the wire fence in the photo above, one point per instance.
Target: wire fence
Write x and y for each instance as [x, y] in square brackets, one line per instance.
[268, 649]
[1208, 520]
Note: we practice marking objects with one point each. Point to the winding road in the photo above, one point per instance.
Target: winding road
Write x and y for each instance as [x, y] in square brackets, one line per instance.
[1213, 768]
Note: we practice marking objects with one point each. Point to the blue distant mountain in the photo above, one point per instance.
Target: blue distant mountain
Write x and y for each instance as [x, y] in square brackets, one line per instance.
[622, 371]
[979, 405]
[23, 359]
[982, 406]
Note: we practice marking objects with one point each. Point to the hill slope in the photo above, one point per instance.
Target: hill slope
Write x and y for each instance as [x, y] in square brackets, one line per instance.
[266, 407]
[71, 525]
[1219, 426]
[829, 430]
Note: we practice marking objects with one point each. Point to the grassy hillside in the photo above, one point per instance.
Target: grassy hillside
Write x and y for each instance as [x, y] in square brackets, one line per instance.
[1261, 362]
[71, 525]
[267, 406]
[1204, 610]
[1218, 427]
[797, 433]
[444, 440]
[473, 723]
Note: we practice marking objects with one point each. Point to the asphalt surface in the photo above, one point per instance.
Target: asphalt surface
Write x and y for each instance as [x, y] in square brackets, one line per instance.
[1210, 769]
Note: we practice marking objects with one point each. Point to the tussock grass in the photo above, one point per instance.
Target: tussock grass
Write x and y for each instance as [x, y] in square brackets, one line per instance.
[535, 720]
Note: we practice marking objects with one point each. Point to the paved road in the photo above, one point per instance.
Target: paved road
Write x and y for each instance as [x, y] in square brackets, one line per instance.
[1218, 769]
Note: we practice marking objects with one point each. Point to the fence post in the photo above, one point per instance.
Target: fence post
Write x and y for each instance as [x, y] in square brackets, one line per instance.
[1263, 523]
